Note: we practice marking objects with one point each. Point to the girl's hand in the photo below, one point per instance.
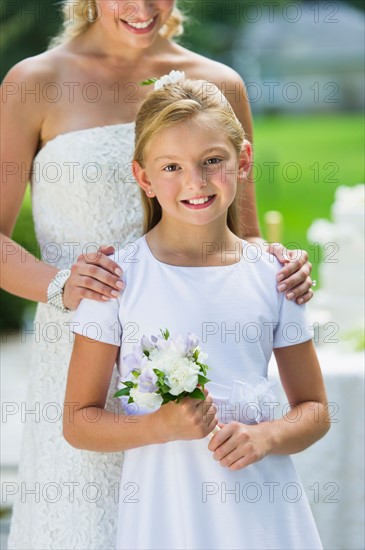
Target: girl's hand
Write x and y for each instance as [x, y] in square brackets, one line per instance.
[188, 419]
[294, 279]
[93, 276]
[237, 445]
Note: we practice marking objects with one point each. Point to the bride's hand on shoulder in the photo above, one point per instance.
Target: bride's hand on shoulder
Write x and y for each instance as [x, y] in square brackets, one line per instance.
[237, 445]
[94, 276]
[294, 278]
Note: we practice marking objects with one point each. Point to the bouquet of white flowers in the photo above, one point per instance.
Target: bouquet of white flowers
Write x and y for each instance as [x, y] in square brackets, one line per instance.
[164, 369]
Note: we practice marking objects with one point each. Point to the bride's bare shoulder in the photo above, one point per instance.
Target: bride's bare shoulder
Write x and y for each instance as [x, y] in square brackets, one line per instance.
[43, 68]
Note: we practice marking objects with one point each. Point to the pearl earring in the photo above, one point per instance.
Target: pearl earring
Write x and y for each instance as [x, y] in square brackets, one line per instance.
[90, 13]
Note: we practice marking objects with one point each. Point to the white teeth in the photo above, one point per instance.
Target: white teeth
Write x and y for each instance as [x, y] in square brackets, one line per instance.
[141, 25]
[199, 201]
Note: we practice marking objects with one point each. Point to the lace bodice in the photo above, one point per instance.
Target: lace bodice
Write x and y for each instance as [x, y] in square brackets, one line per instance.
[83, 192]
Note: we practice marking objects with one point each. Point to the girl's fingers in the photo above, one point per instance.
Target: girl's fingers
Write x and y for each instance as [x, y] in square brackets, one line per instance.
[220, 437]
[231, 457]
[241, 463]
[224, 451]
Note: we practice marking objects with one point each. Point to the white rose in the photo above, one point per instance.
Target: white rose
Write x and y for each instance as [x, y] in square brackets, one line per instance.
[163, 360]
[148, 400]
[171, 78]
[183, 376]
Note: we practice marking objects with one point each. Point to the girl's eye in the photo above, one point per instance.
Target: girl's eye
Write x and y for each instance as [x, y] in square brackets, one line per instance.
[214, 160]
[171, 168]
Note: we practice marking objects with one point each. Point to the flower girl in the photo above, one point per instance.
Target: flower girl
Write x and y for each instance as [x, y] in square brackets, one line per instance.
[190, 273]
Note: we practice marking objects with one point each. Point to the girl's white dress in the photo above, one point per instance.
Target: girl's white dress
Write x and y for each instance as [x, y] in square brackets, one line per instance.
[176, 496]
[83, 195]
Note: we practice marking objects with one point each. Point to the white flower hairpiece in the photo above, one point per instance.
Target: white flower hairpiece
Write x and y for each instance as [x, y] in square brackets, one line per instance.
[172, 78]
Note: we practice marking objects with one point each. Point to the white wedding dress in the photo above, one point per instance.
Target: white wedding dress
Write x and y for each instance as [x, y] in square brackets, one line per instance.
[83, 195]
[175, 496]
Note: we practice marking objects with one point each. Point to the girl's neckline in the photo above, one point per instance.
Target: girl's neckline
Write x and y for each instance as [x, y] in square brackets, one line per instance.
[92, 128]
[205, 267]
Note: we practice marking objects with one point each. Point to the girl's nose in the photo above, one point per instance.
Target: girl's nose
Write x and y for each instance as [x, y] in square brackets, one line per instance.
[197, 179]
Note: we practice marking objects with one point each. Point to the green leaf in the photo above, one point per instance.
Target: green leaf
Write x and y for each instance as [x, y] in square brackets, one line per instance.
[203, 380]
[203, 367]
[167, 397]
[124, 391]
[197, 394]
[136, 373]
[148, 82]
[146, 353]
[159, 372]
[129, 384]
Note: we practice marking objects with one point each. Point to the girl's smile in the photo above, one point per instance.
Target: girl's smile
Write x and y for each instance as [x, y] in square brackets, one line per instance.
[199, 202]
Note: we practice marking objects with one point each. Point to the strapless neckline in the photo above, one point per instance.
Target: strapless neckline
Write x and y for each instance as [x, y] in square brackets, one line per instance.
[82, 131]
[83, 191]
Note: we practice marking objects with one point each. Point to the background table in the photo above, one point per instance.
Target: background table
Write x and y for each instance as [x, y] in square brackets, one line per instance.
[332, 470]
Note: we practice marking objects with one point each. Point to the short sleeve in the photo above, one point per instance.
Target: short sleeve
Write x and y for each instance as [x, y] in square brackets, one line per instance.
[294, 325]
[98, 321]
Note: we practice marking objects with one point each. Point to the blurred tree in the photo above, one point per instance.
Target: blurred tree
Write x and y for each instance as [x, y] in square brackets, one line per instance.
[28, 25]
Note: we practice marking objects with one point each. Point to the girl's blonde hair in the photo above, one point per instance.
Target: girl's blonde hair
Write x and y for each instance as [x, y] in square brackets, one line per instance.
[175, 104]
[77, 18]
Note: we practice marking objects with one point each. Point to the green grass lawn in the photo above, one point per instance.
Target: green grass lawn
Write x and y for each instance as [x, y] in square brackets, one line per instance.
[301, 160]
[299, 163]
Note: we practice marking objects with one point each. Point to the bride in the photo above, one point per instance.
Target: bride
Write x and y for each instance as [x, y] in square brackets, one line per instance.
[75, 136]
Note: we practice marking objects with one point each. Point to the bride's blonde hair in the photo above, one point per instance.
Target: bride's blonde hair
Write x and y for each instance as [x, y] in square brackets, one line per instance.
[175, 104]
[77, 18]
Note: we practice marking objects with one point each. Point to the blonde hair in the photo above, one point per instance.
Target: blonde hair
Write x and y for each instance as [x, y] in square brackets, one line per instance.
[77, 18]
[175, 104]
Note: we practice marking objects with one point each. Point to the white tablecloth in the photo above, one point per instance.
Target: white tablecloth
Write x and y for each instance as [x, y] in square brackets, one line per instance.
[332, 470]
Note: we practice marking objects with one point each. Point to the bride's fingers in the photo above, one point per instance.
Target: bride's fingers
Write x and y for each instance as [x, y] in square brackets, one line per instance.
[305, 297]
[109, 289]
[297, 263]
[299, 290]
[92, 295]
[107, 249]
[99, 272]
[102, 260]
[90, 281]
